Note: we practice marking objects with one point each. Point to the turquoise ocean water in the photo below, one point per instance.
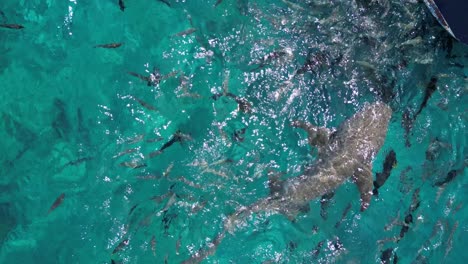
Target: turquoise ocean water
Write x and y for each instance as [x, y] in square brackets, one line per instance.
[81, 180]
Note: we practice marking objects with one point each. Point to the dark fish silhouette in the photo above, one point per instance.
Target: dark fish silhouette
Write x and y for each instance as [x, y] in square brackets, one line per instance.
[415, 203]
[242, 103]
[317, 249]
[153, 245]
[218, 2]
[381, 177]
[57, 203]
[165, 2]
[313, 63]
[407, 120]
[122, 5]
[141, 77]
[121, 246]
[407, 123]
[186, 32]
[450, 176]
[386, 255]
[12, 26]
[3, 16]
[133, 164]
[343, 215]
[430, 89]
[177, 137]
[154, 78]
[109, 45]
[145, 104]
[127, 151]
[324, 203]
[406, 224]
[78, 161]
[267, 59]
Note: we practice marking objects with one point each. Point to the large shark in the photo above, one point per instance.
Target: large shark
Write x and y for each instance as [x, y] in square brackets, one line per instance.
[345, 153]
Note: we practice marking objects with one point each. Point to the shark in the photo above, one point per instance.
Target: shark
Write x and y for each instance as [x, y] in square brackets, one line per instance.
[345, 153]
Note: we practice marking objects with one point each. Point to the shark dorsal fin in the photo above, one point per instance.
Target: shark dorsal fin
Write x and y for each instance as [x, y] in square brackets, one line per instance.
[317, 136]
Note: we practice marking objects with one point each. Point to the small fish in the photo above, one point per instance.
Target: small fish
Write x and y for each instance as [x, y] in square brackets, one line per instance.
[132, 164]
[435, 147]
[12, 26]
[160, 198]
[177, 247]
[415, 201]
[109, 45]
[198, 206]
[149, 177]
[78, 161]
[141, 77]
[177, 137]
[145, 105]
[135, 139]
[4, 19]
[165, 2]
[324, 203]
[154, 78]
[292, 246]
[313, 63]
[393, 223]
[366, 65]
[189, 183]
[121, 246]
[407, 123]
[430, 89]
[57, 203]
[381, 177]
[243, 104]
[218, 2]
[167, 220]
[152, 140]
[450, 176]
[267, 59]
[153, 245]
[293, 6]
[450, 240]
[169, 203]
[203, 253]
[168, 170]
[412, 42]
[122, 5]
[186, 32]
[343, 215]
[317, 249]
[128, 151]
[406, 224]
[215, 172]
[132, 209]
